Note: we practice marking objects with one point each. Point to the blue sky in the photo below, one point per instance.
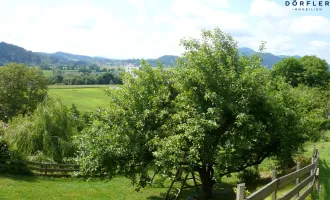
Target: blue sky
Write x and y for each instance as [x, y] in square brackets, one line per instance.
[152, 28]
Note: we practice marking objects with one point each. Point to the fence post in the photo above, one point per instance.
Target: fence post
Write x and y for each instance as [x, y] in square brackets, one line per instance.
[274, 177]
[317, 181]
[312, 170]
[297, 180]
[240, 191]
[314, 149]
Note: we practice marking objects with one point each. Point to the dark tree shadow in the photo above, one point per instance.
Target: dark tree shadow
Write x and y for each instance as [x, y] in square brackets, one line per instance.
[324, 178]
[160, 197]
[17, 177]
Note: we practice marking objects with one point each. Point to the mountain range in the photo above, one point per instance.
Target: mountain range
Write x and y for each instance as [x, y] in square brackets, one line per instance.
[12, 53]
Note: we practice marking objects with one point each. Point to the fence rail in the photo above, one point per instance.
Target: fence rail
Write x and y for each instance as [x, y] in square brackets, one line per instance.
[271, 188]
[37, 166]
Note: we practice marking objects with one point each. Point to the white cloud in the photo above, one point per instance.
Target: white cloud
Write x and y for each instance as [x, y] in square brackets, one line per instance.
[161, 19]
[276, 44]
[141, 18]
[310, 25]
[198, 16]
[318, 48]
[90, 29]
[319, 44]
[218, 3]
[138, 3]
[264, 8]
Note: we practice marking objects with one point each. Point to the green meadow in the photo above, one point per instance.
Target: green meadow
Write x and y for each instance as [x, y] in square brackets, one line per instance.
[85, 97]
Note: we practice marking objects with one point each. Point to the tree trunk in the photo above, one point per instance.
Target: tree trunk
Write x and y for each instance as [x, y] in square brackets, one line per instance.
[207, 180]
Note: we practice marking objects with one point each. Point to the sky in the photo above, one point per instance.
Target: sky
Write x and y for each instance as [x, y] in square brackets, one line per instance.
[152, 28]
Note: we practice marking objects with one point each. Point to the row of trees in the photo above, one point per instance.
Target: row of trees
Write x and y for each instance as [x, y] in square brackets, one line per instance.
[308, 70]
[215, 108]
[84, 79]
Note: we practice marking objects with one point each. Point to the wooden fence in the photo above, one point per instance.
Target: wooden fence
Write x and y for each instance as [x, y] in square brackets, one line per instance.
[40, 167]
[271, 188]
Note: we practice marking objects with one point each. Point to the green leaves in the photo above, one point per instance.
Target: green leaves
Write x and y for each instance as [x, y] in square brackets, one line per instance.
[21, 90]
[308, 70]
[213, 107]
[49, 129]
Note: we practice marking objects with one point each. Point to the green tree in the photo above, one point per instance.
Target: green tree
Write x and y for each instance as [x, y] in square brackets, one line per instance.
[105, 78]
[49, 130]
[316, 72]
[214, 108]
[21, 90]
[308, 70]
[291, 69]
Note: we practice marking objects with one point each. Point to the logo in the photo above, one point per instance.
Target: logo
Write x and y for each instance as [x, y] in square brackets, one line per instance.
[307, 5]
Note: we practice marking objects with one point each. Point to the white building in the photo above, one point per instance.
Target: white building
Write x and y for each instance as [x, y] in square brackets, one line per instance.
[131, 68]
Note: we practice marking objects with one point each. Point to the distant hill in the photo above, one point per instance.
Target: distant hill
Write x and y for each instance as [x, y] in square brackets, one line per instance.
[167, 59]
[12, 53]
[268, 59]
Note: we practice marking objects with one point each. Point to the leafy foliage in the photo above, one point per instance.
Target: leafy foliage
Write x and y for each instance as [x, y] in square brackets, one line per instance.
[214, 108]
[249, 175]
[315, 71]
[21, 89]
[291, 69]
[48, 130]
[308, 70]
[4, 151]
[84, 79]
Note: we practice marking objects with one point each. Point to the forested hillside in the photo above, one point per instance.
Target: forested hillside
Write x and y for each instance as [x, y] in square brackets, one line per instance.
[12, 53]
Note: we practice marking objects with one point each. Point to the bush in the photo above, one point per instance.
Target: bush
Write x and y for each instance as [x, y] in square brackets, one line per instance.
[4, 150]
[249, 175]
[304, 161]
[48, 130]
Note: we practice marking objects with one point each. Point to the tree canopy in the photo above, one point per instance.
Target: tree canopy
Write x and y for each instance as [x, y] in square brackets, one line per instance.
[308, 70]
[315, 71]
[21, 89]
[214, 107]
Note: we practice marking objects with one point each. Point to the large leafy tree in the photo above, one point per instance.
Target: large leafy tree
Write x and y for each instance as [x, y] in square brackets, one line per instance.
[290, 69]
[316, 72]
[214, 108]
[21, 89]
[308, 70]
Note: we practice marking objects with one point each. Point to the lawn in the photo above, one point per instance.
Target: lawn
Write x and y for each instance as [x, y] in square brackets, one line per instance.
[37, 187]
[34, 188]
[324, 162]
[84, 97]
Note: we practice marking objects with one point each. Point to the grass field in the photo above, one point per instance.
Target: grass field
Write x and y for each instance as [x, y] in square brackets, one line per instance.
[84, 97]
[35, 188]
[47, 73]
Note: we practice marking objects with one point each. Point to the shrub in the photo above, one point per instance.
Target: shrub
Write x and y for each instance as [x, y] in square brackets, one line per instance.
[4, 150]
[249, 175]
[304, 161]
[48, 130]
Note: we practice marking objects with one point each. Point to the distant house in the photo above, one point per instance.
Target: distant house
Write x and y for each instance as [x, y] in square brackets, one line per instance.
[131, 68]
